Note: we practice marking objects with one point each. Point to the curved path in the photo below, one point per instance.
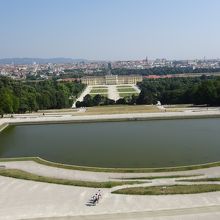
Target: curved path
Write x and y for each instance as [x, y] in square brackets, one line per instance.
[43, 170]
[21, 199]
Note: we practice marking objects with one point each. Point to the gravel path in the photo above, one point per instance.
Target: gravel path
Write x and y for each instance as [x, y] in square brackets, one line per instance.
[113, 92]
[136, 88]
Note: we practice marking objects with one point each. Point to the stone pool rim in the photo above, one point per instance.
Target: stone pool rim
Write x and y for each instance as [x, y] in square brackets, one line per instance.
[7, 123]
[45, 162]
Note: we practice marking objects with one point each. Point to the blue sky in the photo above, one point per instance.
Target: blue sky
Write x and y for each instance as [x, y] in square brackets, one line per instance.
[110, 29]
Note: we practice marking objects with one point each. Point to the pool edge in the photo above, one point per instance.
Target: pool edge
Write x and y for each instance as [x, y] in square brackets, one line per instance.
[42, 161]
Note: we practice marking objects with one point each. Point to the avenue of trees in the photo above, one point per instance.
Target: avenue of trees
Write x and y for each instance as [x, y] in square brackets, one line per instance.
[20, 97]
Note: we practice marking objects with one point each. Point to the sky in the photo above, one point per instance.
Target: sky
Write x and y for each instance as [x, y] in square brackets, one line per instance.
[110, 29]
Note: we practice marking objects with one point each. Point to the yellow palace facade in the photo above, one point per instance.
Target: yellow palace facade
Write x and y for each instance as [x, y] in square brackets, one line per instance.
[111, 79]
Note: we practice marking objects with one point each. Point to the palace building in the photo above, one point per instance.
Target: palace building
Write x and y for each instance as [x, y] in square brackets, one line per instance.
[111, 79]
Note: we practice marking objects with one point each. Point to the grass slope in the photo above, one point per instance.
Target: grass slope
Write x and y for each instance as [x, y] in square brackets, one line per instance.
[214, 179]
[127, 90]
[112, 170]
[19, 174]
[100, 87]
[120, 109]
[160, 177]
[169, 190]
[99, 91]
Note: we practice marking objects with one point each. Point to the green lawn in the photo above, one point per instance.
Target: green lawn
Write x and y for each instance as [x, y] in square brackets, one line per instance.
[127, 90]
[19, 174]
[99, 87]
[160, 177]
[99, 91]
[213, 179]
[169, 190]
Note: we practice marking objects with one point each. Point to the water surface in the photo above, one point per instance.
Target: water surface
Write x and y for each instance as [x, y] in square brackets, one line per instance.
[117, 144]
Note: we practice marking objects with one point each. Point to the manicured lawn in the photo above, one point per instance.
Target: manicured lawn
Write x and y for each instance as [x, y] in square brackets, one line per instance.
[19, 174]
[168, 190]
[160, 177]
[213, 179]
[120, 109]
[128, 90]
[99, 91]
[99, 87]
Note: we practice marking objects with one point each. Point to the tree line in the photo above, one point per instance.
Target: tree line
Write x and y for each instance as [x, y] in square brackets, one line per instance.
[79, 73]
[163, 71]
[198, 91]
[20, 97]
[98, 100]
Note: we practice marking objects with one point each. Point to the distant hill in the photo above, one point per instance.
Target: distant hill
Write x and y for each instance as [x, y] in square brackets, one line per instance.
[59, 60]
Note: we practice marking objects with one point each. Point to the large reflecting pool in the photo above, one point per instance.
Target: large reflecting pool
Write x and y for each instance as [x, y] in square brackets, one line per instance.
[117, 144]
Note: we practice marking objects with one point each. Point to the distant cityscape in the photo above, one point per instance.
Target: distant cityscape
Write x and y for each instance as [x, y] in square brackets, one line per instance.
[31, 68]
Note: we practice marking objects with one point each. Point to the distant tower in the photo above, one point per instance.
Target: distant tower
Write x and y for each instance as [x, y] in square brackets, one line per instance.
[109, 68]
[146, 60]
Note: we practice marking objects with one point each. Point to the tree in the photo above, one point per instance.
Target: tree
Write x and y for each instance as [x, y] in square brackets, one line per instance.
[1, 113]
[88, 100]
[17, 96]
[206, 93]
[6, 100]
[97, 100]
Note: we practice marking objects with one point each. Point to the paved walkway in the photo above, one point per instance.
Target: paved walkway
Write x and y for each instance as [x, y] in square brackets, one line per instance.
[136, 88]
[82, 95]
[202, 213]
[191, 112]
[22, 199]
[113, 92]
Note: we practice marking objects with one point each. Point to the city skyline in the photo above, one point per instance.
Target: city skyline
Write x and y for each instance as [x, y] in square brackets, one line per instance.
[110, 30]
[60, 60]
